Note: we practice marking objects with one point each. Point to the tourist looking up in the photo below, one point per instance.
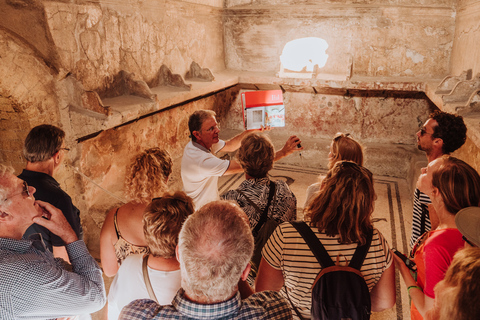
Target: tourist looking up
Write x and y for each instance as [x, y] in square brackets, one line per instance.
[255, 156]
[162, 221]
[44, 150]
[340, 217]
[342, 147]
[201, 168]
[452, 185]
[34, 284]
[442, 133]
[122, 231]
[214, 250]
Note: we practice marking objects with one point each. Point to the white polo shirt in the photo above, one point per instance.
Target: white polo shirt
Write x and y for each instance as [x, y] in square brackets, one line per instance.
[200, 172]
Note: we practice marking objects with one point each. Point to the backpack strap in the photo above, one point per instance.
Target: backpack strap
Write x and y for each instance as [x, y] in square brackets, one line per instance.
[361, 252]
[314, 244]
[264, 214]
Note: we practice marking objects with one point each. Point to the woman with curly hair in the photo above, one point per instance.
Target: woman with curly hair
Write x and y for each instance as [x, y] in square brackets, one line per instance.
[122, 231]
[162, 220]
[343, 147]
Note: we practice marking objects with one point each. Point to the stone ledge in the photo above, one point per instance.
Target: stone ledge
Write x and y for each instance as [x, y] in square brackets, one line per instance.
[129, 108]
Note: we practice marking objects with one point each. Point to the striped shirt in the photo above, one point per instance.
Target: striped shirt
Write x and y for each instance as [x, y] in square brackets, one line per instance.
[420, 202]
[287, 251]
[284, 203]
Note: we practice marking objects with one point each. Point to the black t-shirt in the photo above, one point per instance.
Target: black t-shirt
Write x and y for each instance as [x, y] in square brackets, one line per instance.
[48, 190]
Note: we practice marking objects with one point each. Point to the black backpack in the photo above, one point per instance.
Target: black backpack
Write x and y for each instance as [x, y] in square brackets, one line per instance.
[339, 292]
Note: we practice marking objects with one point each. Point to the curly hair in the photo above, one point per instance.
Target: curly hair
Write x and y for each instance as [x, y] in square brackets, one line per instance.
[451, 129]
[162, 220]
[457, 291]
[42, 142]
[147, 175]
[458, 184]
[256, 155]
[196, 120]
[215, 246]
[344, 147]
[344, 205]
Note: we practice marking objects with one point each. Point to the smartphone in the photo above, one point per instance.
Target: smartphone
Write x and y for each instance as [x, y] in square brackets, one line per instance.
[409, 263]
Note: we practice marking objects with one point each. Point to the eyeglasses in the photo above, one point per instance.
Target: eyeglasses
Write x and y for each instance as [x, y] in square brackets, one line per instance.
[466, 240]
[420, 241]
[423, 131]
[25, 190]
[213, 128]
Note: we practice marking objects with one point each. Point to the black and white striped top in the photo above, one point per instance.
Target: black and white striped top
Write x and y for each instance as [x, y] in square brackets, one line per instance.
[419, 199]
[283, 207]
[287, 251]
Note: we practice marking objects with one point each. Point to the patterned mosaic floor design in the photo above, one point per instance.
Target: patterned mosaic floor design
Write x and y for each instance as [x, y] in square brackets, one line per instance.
[392, 216]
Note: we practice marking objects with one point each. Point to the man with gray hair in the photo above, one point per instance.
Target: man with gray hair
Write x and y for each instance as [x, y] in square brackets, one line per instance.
[33, 284]
[214, 249]
[201, 168]
[44, 150]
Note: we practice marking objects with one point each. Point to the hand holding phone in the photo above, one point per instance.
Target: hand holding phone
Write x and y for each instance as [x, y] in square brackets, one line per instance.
[409, 263]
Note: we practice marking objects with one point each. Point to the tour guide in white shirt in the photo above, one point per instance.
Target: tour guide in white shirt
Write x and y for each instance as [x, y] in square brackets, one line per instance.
[34, 284]
[201, 168]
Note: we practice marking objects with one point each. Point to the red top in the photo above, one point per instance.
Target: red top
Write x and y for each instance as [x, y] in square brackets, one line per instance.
[433, 259]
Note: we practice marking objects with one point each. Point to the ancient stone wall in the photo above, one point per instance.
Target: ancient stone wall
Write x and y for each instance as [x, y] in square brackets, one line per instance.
[97, 40]
[465, 52]
[370, 38]
[105, 158]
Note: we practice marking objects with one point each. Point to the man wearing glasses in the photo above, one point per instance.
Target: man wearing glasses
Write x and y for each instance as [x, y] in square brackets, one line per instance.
[44, 151]
[34, 285]
[201, 168]
[442, 133]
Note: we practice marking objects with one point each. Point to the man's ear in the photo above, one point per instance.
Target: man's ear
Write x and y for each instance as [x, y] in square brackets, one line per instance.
[177, 254]
[438, 143]
[246, 272]
[196, 134]
[4, 216]
[56, 157]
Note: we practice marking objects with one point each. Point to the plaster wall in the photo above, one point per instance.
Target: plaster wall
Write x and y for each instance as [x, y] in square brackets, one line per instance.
[97, 40]
[371, 38]
[378, 122]
[105, 158]
[465, 52]
[44, 44]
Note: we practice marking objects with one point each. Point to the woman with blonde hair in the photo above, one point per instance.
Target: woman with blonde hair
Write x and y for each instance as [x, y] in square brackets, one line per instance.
[456, 296]
[162, 221]
[122, 233]
[340, 217]
[342, 148]
[452, 185]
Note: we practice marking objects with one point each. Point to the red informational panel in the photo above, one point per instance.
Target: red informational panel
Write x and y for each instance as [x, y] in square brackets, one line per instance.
[263, 108]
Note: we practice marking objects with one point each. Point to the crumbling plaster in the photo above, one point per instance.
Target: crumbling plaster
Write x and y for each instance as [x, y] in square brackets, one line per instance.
[466, 52]
[397, 38]
[97, 40]
[106, 156]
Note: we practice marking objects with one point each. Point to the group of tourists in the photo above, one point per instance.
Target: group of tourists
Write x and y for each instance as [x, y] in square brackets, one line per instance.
[196, 254]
